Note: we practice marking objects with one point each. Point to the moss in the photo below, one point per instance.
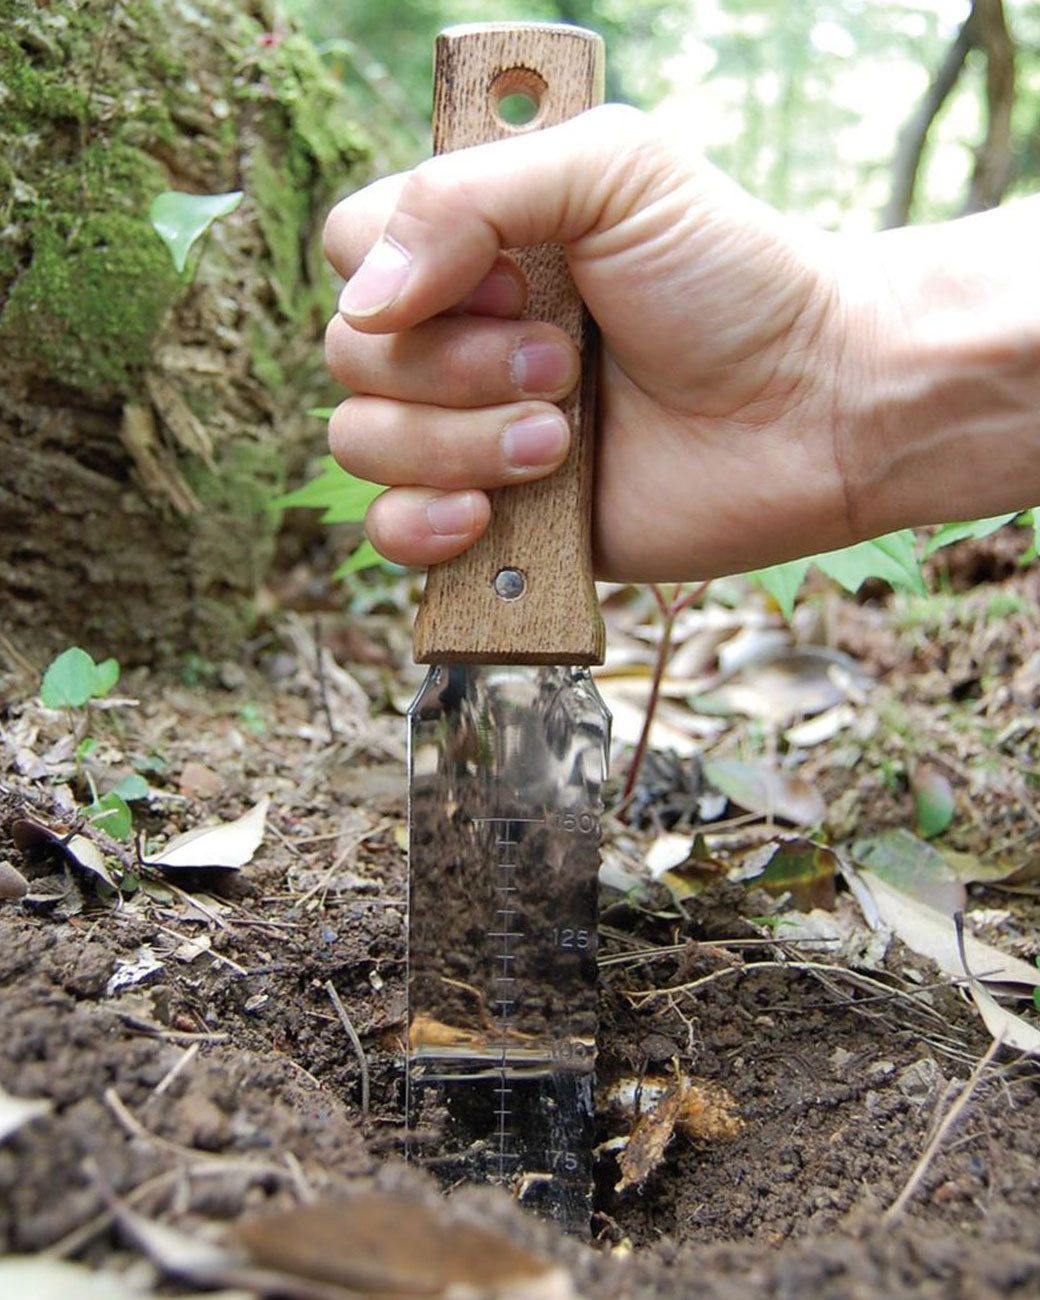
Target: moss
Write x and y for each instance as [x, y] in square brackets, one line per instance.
[281, 208]
[249, 475]
[89, 307]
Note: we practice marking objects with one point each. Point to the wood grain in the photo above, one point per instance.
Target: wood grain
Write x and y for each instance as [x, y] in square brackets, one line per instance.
[542, 530]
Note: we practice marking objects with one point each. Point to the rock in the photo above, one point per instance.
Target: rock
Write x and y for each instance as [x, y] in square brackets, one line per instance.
[918, 1081]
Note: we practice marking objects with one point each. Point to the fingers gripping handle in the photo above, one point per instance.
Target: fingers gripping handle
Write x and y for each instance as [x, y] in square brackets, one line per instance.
[524, 593]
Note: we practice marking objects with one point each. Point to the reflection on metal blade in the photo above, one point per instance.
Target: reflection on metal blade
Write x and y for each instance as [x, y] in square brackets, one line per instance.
[507, 766]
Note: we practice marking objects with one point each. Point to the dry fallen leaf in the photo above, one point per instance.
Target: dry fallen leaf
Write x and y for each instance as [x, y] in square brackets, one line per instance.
[16, 1111]
[389, 1244]
[766, 790]
[1009, 1029]
[1013, 1030]
[38, 1277]
[80, 851]
[931, 933]
[225, 846]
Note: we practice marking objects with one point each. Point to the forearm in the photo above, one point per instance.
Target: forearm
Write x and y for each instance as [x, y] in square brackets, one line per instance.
[941, 402]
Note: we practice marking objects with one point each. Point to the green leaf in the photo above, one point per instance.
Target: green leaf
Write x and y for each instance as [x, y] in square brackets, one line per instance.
[934, 801]
[343, 498]
[365, 557]
[179, 219]
[322, 412]
[892, 558]
[131, 787]
[950, 533]
[783, 582]
[74, 678]
[112, 814]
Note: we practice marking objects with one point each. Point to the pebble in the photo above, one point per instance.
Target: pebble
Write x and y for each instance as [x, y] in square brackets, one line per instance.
[918, 1081]
[13, 885]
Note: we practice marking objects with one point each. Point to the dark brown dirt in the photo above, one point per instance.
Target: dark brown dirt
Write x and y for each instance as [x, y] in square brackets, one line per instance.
[839, 1086]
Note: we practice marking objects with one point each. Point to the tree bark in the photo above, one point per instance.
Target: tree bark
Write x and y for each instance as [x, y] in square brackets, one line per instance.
[149, 418]
[993, 156]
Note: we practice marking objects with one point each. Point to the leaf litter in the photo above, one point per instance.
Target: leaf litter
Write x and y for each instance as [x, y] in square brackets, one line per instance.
[749, 1030]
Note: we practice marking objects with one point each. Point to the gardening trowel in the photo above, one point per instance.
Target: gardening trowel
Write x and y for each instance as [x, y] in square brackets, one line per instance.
[508, 742]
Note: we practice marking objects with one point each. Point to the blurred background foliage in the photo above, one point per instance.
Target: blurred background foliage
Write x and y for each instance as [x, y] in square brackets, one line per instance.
[852, 113]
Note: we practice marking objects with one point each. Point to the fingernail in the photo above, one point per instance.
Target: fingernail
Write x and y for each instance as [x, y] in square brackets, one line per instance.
[451, 515]
[377, 281]
[540, 367]
[535, 440]
[498, 295]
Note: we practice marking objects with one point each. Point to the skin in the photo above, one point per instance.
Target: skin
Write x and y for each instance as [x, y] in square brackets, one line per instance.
[767, 390]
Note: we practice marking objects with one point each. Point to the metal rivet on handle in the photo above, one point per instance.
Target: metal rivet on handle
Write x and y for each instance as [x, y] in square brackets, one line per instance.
[509, 584]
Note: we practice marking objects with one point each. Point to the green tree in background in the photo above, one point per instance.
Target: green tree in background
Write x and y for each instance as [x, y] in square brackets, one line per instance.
[845, 111]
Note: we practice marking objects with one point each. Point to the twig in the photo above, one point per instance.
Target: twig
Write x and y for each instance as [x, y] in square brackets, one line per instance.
[669, 610]
[352, 1034]
[185, 1060]
[898, 1206]
[133, 1127]
[323, 687]
[640, 997]
[352, 845]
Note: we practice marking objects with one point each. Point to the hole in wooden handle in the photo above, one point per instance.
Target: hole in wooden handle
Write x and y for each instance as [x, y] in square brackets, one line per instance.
[518, 96]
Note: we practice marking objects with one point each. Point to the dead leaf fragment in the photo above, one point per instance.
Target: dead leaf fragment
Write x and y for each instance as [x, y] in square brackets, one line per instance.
[1007, 1028]
[76, 849]
[225, 846]
[16, 1111]
[13, 885]
[931, 933]
[795, 866]
[380, 1243]
[766, 790]
[39, 1277]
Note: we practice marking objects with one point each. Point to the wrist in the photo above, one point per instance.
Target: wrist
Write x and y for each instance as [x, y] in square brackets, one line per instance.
[939, 402]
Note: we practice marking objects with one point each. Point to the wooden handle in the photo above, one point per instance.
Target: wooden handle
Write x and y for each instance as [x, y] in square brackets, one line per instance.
[475, 608]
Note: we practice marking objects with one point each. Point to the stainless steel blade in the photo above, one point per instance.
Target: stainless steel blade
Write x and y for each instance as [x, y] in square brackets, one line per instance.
[507, 766]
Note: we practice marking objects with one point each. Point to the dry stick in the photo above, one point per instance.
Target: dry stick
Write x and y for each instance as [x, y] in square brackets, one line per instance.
[669, 613]
[352, 1034]
[641, 997]
[323, 688]
[352, 845]
[898, 1206]
[182, 1063]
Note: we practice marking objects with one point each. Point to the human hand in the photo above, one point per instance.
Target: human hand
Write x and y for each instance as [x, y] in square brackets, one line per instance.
[719, 444]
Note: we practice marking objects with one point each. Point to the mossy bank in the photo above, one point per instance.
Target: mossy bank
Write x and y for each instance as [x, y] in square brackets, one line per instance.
[148, 417]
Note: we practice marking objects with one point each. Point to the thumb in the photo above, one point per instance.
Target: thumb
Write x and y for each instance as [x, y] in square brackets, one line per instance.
[454, 213]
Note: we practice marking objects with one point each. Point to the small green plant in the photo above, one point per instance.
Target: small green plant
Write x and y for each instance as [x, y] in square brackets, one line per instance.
[180, 219]
[74, 679]
[343, 499]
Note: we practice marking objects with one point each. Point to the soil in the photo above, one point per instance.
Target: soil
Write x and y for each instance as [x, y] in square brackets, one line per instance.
[224, 1082]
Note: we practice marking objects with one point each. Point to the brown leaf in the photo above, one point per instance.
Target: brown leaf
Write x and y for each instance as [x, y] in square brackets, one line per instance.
[384, 1244]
